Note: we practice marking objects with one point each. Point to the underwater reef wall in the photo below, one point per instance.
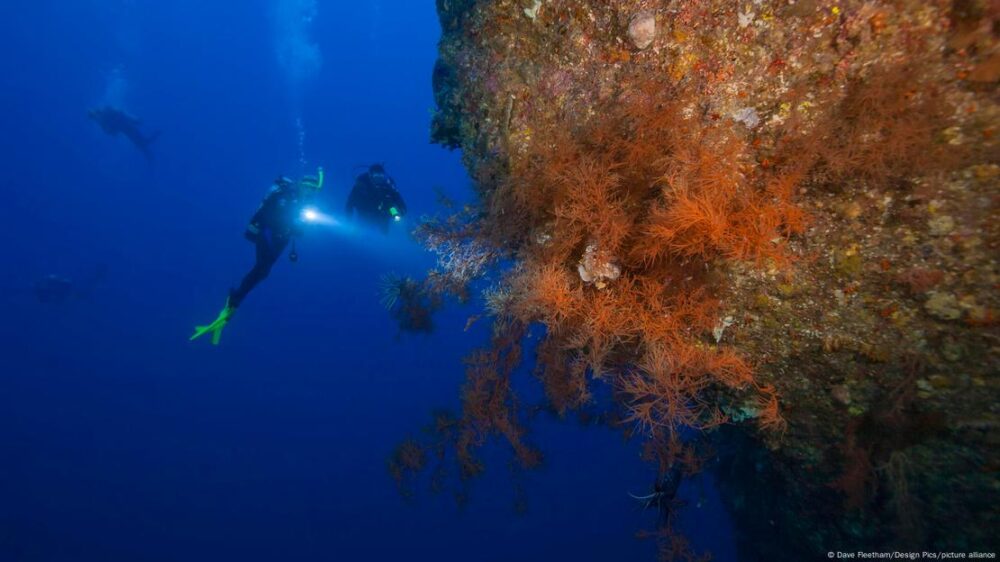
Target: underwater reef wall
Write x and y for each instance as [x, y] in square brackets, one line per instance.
[773, 220]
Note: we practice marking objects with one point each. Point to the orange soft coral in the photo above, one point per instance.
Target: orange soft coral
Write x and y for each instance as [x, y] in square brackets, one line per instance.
[618, 226]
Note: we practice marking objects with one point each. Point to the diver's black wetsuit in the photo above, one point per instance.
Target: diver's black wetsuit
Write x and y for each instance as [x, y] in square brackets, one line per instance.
[373, 196]
[271, 229]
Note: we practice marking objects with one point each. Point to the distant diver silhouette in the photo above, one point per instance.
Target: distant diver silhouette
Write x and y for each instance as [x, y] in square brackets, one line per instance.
[375, 198]
[57, 289]
[114, 121]
[278, 220]
[663, 498]
[54, 289]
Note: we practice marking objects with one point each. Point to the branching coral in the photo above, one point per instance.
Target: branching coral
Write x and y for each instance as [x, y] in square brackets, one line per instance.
[617, 192]
[408, 302]
[625, 190]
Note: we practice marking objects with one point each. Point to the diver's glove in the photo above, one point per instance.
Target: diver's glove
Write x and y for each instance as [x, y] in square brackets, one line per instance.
[216, 326]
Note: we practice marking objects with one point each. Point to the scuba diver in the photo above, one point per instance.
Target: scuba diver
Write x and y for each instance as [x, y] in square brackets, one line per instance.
[58, 289]
[278, 220]
[54, 289]
[375, 199]
[664, 495]
[114, 121]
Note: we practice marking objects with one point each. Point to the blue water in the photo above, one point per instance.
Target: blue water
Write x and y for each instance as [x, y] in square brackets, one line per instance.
[122, 441]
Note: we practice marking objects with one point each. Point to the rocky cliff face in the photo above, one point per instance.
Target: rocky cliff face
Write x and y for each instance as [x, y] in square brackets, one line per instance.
[777, 217]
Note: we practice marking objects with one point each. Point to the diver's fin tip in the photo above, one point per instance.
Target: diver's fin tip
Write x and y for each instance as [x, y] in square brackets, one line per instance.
[198, 332]
[216, 326]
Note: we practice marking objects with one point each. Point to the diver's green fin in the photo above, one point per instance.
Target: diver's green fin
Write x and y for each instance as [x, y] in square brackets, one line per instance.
[216, 326]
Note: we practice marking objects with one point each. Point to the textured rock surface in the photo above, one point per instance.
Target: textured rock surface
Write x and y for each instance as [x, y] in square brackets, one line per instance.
[642, 29]
[880, 333]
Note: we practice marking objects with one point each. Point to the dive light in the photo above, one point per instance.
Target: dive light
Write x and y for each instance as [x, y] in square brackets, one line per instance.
[310, 214]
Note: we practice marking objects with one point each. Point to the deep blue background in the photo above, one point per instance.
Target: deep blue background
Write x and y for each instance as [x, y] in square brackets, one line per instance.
[122, 441]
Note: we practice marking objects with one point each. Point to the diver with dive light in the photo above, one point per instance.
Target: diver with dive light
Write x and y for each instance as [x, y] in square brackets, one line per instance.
[278, 220]
[375, 198]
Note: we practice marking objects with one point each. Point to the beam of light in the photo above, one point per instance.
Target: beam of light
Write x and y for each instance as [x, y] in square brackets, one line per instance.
[312, 215]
